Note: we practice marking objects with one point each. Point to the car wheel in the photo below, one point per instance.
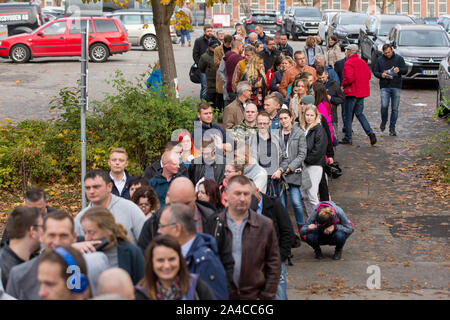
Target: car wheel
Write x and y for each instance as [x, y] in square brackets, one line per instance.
[20, 53]
[149, 42]
[98, 52]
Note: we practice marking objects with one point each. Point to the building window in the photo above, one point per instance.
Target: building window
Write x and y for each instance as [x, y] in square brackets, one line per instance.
[216, 9]
[405, 6]
[431, 8]
[442, 7]
[270, 5]
[255, 4]
[364, 5]
[228, 8]
[416, 7]
[336, 4]
[390, 7]
[297, 3]
[324, 4]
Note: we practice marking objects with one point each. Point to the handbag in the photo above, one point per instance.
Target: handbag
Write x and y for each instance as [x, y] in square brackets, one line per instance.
[194, 74]
[333, 170]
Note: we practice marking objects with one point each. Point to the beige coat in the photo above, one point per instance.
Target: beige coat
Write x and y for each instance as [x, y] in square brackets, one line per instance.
[233, 114]
[334, 54]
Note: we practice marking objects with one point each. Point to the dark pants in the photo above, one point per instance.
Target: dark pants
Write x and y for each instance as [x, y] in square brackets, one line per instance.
[212, 99]
[324, 194]
[219, 102]
[316, 238]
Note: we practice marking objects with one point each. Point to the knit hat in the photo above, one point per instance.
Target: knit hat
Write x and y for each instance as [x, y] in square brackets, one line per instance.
[307, 100]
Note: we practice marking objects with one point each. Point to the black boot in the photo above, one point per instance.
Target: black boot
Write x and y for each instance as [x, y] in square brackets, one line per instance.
[318, 254]
[337, 254]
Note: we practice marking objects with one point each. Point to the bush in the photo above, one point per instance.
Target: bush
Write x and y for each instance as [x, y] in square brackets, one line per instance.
[134, 118]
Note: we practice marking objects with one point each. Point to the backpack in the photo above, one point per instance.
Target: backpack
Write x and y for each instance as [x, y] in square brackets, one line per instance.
[194, 74]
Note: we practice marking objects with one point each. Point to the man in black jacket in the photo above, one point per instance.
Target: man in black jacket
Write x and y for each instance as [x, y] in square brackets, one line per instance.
[269, 53]
[182, 190]
[156, 167]
[335, 94]
[273, 208]
[118, 161]
[389, 69]
[200, 47]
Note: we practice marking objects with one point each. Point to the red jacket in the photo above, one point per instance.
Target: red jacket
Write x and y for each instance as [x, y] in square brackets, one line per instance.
[356, 77]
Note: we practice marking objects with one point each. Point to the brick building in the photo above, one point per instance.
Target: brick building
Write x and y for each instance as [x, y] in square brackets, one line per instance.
[420, 8]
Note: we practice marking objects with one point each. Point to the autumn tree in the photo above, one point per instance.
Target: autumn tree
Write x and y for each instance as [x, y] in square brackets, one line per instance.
[352, 6]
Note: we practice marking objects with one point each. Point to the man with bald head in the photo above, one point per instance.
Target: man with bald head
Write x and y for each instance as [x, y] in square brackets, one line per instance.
[207, 220]
[115, 281]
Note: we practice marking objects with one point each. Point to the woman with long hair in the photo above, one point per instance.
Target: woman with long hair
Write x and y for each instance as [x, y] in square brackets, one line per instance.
[98, 223]
[146, 199]
[208, 191]
[240, 30]
[256, 76]
[300, 89]
[286, 63]
[271, 72]
[292, 146]
[316, 141]
[311, 49]
[189, 152]
[167, 276]
[321, 100]
[334, 52]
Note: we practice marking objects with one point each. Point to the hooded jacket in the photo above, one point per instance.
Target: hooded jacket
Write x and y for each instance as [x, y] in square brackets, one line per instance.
[231, 59]
[340, 220]
[206, 65]
[203, 259]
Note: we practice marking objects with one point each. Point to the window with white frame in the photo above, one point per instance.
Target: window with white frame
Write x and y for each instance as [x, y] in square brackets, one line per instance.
[442, 4]
[336, 4]
[390, 7]
[297, 3]
[228, 8]
[255, 4]
[364, 5]
[405, 6]
[270, 5]
[416, 7]
[431, 8]
[216, 9]
[324, 4]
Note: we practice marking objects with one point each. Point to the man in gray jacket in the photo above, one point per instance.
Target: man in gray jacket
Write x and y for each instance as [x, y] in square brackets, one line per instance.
[98, 187]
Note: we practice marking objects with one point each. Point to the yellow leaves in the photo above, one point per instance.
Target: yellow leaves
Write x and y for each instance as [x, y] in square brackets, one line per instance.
[18, 81]
[407, 264]
[402, 169]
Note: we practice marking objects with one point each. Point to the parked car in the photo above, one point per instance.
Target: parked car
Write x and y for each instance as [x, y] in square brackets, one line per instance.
[302, 21]
[443, 92]
[444, 21]
[327, 16]
[267, 19]
[346, 26]
[429, 20]
[374, 34]
[62, 37]
[422, 46]
[23, 17]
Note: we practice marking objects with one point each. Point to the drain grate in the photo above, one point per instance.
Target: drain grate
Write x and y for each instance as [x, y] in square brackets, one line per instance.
[432, 226]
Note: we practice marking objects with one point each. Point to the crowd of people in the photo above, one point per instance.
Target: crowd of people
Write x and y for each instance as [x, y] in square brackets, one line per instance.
[210, 218]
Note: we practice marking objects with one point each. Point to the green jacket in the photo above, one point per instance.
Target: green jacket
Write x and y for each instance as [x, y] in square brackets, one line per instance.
[207, 66]
[243, 132]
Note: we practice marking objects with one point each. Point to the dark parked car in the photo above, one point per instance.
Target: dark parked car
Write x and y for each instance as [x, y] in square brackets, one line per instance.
[443, 92]
[422, 46]
[302, 21]
[375, 33]
[267, 19]
[444, 21]
[21, 17]
[346, 26]
[327, 16]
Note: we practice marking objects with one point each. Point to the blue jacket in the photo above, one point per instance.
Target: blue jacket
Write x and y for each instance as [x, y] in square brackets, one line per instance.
[161, 186]
[286, 47]
[340, 220]
[126, 189]
[332, 74]
[203, 259]
[131, 260]
[154, 82]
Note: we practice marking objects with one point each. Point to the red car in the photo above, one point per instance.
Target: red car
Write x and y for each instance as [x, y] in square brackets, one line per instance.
[62, 37]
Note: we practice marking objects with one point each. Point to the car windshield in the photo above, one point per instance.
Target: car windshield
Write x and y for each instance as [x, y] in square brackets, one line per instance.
[307, 13]
[264, 18]
[352, 19]
[423, 38]
[386, 26]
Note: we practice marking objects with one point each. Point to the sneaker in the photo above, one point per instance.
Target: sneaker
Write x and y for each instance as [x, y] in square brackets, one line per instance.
[343, 130]
[382, 126]
[337, 255]
[182, 44]
[189, 43]
[373, 138]
[344, 141]
[392, 132]
[318, 254]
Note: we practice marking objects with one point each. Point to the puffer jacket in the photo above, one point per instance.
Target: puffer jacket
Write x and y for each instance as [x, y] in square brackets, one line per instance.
[356, 77]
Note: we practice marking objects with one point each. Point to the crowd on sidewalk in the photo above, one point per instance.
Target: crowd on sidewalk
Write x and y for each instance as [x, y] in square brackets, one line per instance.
[210, 219]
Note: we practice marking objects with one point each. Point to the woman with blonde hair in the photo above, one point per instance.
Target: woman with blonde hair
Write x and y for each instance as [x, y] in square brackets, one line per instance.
[99, 224]
[311, 49]
[255, 74]
[300, 89]
[240, 30]
[316, 143]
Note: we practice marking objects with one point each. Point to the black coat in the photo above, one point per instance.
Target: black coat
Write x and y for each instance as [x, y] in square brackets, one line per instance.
[196, 171]
[200, 47]
[269, 58]
[384, 64]
[126, 189]
[330, 150]
[335, 91]
[211, 224]
[277, 77]
[274, 209]
[316, 141]
[155, 169]
[339, 68]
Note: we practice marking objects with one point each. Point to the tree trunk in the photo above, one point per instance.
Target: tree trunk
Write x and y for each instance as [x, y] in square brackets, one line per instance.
[161, 20]
[352, 6]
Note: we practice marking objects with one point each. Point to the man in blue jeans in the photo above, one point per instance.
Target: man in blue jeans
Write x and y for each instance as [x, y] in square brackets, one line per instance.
[389, 69]
[356, 77]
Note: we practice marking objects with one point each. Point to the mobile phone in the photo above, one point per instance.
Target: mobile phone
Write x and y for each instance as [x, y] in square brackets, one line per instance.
[102, 245]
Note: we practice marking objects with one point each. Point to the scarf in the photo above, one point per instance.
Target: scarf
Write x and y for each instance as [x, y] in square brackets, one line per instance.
[173, 293]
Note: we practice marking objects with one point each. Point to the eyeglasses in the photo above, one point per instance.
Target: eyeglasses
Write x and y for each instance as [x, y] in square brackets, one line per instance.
[160, 226]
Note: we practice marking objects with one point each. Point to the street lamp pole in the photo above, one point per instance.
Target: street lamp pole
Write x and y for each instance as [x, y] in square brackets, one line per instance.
[83, 103]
